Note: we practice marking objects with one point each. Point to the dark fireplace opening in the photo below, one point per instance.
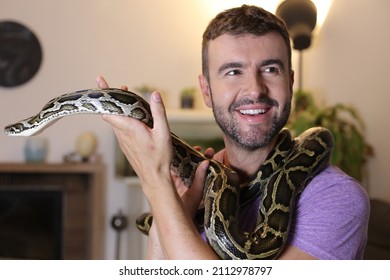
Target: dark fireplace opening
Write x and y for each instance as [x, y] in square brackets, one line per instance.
[31, 224]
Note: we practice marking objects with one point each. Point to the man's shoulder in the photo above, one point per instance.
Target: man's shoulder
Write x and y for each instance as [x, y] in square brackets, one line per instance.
[333, 177]
[333, 208]
[332, 188]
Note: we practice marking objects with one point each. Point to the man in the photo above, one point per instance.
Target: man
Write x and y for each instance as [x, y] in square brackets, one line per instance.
[247, 80]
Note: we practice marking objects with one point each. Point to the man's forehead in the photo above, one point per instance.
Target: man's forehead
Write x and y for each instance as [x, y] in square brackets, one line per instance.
[276, 37]
[229, 45]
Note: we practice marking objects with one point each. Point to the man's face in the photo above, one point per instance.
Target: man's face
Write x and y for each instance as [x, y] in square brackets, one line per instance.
[249, 87]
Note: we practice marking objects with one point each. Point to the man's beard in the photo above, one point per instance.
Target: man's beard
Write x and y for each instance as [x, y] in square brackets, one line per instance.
[256, 138]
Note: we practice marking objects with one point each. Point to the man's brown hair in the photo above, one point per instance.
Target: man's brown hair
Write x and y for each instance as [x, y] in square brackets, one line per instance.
[243, 20]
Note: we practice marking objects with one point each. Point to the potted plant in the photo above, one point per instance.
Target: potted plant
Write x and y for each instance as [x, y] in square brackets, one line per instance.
[187, 96]
[351, 149]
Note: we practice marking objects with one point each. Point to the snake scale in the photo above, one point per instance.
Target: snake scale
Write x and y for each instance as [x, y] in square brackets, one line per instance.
[281, 178]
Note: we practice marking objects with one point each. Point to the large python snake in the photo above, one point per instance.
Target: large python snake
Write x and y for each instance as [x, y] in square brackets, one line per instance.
[281, 178]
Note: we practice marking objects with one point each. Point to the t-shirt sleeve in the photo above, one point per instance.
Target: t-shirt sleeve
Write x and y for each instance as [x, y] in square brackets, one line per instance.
[331, 217]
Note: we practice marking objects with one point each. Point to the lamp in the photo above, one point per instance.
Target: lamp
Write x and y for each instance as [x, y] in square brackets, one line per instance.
[301, 18]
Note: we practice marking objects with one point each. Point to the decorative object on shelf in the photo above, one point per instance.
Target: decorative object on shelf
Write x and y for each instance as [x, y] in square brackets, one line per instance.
[351, 149]
[35, 150]
[86, 144]
[187, 97]
[20, 54]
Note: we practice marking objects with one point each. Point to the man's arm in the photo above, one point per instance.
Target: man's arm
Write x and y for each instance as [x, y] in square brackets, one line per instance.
[149, 151]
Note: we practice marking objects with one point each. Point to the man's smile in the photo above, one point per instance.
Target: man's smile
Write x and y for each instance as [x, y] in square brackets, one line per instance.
[252, 111]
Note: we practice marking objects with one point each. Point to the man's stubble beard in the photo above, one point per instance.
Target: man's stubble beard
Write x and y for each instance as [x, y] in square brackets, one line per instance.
[255, 139]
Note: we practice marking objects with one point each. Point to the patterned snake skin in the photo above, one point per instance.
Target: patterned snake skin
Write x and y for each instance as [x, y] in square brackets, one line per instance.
[282, 177]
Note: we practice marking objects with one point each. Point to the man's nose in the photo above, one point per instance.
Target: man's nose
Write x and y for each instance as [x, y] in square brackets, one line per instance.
[256, 85]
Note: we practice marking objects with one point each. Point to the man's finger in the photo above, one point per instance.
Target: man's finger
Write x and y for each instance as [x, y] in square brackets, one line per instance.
[101, 82]
[159, 115]
[124, 123]
[209, 153]
[194, 194]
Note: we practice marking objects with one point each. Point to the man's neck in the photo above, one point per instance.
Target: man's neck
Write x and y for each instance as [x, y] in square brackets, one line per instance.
[246, 163]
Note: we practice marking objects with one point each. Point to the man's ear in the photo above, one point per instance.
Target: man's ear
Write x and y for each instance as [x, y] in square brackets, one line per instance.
[291, 83]
[206, 92]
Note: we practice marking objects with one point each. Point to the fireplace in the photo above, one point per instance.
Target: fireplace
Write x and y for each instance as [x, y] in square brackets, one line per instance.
[31, 224]
[51, 211]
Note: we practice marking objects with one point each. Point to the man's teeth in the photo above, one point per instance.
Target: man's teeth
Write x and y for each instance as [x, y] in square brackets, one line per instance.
[252, 111]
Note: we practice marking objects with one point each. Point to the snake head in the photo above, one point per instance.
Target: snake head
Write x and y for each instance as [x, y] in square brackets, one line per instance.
[13, 129]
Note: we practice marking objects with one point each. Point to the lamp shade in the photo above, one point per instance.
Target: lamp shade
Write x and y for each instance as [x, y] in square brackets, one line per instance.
[300, 17]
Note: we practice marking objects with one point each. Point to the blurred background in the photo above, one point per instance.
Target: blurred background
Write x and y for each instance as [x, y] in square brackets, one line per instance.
[158, 44]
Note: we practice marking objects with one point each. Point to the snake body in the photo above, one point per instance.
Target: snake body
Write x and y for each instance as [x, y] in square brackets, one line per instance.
[90, 101]
[281, 178]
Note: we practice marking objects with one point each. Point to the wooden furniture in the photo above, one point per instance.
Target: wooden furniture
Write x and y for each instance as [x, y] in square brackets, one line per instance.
[83, 197]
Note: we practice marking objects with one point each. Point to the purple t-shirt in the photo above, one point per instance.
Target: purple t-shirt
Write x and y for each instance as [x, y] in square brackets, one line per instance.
[330, 220]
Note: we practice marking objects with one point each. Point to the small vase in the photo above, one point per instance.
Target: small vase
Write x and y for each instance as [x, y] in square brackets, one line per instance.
[187, 102]
[35, 150]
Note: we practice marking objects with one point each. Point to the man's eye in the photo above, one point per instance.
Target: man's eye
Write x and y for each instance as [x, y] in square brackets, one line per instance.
[233, 73]
[272, 70]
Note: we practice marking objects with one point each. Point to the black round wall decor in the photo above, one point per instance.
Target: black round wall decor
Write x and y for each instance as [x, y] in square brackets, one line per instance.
[20, 54]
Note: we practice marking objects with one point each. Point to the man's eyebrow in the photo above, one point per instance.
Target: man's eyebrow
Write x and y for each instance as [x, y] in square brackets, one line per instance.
[271, 61]
[229, 65]
[265, 62]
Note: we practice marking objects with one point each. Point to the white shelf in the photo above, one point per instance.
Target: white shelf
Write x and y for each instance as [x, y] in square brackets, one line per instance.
[192, 123]
[190, 116]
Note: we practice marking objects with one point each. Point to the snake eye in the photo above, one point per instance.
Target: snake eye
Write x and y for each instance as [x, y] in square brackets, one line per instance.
[17, 127]
[13, 129]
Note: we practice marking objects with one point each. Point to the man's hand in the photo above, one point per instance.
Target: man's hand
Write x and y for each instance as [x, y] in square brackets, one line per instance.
[149, 151]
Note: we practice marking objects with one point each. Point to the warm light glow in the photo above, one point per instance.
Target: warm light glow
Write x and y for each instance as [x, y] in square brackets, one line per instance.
[216, 6]
[323, 7]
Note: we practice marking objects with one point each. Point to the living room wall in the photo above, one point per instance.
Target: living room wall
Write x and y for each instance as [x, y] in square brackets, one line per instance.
[158, 43]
